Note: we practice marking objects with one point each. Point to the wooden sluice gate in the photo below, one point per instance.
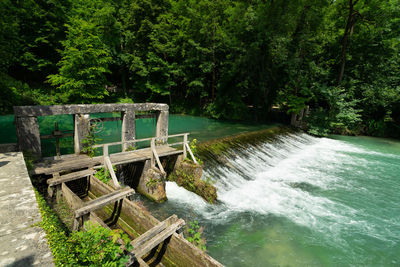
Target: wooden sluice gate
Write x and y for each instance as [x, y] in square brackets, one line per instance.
[154, 242]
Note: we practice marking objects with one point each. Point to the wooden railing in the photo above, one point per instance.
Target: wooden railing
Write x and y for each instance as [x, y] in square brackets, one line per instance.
[154, 142]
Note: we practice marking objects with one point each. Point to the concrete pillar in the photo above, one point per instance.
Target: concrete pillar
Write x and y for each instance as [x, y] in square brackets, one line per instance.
[152, 183]
[162, 123]
[128, 129]
[28, 135]
[81, 130]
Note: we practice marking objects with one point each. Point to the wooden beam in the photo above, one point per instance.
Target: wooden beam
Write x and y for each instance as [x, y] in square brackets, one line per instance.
[157, 239]
[109, 166]
[185, 140]
[191, 153]
[62, 135]
[104, 201]
[138, 242]
[70, 177]
[142, 263]
[69, 163]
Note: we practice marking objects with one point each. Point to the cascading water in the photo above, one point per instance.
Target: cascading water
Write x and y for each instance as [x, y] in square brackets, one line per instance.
[300, 201]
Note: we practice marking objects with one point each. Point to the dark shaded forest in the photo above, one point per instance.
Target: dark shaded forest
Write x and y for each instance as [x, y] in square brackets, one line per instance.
[226, 59]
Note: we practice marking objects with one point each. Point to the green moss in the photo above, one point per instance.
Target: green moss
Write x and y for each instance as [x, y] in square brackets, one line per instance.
[186, 176]
[214, 149]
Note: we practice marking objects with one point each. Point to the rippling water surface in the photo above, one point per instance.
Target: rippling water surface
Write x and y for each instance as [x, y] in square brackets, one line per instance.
[301, 201]
[295, 201]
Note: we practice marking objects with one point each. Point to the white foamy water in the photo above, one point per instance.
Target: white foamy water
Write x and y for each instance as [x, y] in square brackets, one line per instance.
[283, 179]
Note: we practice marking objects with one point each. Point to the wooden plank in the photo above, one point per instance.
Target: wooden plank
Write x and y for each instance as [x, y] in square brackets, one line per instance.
[71, 198]
[185, 140]
[157, 159]
[138, 242]
[107, 163]
[83, 161]
[179, 250]
[157, 239]
[104, 201]
[70, 177]
[51, 136]
[22, 111]
[191, 153]
[142, 262]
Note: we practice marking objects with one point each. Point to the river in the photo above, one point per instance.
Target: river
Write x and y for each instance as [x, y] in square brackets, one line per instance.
[296, 201]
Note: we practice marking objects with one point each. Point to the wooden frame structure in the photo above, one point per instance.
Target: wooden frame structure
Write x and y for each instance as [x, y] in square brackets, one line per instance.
[152, 237]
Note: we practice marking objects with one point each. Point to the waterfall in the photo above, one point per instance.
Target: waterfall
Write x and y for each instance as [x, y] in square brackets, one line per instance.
[284, 178]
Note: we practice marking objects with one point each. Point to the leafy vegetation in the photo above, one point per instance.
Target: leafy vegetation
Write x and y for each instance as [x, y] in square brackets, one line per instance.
[104, 176]
[97, 246]
[194, 235]
[193, 148]
[224, 59]
[88, 142]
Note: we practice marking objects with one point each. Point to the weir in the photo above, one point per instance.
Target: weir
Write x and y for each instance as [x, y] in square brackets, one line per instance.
[155, 242]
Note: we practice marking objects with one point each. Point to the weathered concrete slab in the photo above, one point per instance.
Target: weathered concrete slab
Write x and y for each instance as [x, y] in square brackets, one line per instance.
[10, 147]
[21, 111]
[21, 242]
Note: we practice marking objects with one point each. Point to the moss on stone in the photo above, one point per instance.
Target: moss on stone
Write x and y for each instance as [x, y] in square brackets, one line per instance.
[188, 175]
[223, 145]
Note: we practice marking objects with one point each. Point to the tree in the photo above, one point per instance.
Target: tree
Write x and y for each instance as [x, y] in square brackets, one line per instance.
[86, 55]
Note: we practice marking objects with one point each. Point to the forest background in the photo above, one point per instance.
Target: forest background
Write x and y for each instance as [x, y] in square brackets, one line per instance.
[226, 59]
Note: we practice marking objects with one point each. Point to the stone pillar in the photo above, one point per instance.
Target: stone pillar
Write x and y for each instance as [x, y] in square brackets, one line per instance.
[162, 123]
[81, 130]
[128, 129]
[152, 183]
[28, 135]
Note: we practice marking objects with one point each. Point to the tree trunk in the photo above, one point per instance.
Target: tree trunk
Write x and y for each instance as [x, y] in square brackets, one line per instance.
[351, 20]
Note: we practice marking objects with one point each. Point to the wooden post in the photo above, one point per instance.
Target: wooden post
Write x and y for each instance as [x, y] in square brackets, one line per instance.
[28, 135]
[81, 130]
[153, 146]
[185, 140]
[191, 153]
[162, 125]
[128, 128]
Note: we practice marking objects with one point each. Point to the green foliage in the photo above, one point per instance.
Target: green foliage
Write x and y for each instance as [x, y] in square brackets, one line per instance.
[105, 177]
[88, 144]
[152, 183]
[98, 246]
[342, 116]
[95, 247]
[87, 53]
[131, 148]
[29, 160]
[224, 59]
[195, 236]
[193, 148]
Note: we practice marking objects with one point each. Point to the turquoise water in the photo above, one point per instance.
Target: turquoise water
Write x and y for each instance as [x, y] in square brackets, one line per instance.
[298, 201]
[301, 201]
[198, 127]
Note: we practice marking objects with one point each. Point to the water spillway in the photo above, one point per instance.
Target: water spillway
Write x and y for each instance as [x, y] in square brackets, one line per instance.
[287, 200]
[298, 200]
